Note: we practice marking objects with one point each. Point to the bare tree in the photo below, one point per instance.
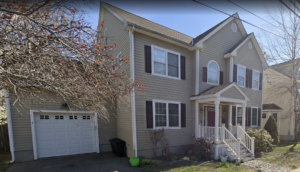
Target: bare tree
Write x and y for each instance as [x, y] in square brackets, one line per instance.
[285, 49]
[47, 46]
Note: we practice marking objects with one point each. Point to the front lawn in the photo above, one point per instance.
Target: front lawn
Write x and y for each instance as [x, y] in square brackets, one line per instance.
[4, 160]
[285, 154]
[191, 166]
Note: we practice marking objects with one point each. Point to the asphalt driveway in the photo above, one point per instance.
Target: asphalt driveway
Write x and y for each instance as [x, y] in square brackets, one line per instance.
[104, 162]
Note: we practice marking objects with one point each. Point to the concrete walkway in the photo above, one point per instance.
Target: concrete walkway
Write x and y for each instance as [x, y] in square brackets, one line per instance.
[102, 162]
[296, 170]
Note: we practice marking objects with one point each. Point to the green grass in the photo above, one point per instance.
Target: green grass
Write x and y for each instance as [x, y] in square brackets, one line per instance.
[4, 161]
[285, 153]
[191, 166]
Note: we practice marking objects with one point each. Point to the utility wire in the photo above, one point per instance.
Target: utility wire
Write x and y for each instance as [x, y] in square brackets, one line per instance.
[294, 5]
[255, 15]
[289, 8]
[240, 19]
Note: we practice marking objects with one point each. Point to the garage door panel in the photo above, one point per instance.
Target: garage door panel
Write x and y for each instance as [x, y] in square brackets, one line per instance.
[58, 135]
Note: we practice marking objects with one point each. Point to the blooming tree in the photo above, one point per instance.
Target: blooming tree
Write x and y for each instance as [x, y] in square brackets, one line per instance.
[47, 46]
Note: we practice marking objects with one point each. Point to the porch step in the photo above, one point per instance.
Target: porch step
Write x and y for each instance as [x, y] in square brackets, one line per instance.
[247, 158]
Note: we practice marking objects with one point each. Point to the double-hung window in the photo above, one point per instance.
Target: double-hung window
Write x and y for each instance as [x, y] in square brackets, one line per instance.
[241, 75]
[165, 62]
[166, 114]
[105, 37]
[239, 115]
[254, 116]
[255, 80]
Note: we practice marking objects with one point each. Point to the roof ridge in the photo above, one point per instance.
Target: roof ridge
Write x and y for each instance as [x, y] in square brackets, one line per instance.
[148, 20]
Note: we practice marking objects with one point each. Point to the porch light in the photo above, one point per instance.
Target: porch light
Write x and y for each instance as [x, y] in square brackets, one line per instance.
[201, 110]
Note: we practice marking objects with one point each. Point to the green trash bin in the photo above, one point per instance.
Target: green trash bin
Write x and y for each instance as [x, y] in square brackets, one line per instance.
[135, 161]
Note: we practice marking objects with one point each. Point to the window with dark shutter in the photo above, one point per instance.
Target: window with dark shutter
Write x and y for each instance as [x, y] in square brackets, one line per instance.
[182, 67]
[248, 116]
[250, 78]
[149, 114]
[260, 81]
[221, 77]
[183, 115]
[204, 76]
[259, 116]
[234, 73]
[233, 115]
[147, 59]
[247, 78]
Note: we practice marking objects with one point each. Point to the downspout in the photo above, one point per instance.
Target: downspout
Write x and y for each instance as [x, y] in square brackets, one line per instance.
[9, 123]
[132, 76]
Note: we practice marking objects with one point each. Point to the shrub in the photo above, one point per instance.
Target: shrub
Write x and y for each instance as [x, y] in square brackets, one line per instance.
[145, 162]
[242, 161]
[156, 162]
[225, 164]
[203, 147]
[263, 140]
[271, 127]
[238, 164]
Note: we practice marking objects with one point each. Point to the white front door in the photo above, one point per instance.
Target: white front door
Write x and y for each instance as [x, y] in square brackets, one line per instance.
[64, 134]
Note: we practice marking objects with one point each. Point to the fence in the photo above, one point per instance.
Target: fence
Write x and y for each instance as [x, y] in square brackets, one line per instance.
[4, 140]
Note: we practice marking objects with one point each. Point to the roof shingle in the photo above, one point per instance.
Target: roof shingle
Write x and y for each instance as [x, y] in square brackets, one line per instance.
[271, 106]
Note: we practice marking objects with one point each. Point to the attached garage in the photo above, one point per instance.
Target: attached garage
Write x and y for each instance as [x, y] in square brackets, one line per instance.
[59, 133]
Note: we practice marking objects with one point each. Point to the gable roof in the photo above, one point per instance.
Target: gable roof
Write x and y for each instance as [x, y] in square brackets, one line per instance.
[139, 21]
[237, 45]
[216, 91]
[271, 106]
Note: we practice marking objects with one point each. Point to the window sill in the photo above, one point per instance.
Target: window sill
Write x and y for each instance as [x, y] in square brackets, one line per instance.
[213, 84]
[171, 77]
[157, 128]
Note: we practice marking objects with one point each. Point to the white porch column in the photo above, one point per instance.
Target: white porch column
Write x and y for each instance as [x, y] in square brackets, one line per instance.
[244, 116]
[197, 71]
[217, 103]
[231, 70]
[230, 118]
[197, 134]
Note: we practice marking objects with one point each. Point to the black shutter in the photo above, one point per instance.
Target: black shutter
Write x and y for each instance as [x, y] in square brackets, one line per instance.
[260, 81]
[248, 116]
[259, 116]
[149, 114]
[234, 73]
[221, 77]
[183, 115]
[233, 115]
[204, 76]
[182, 67]
[247, 78]
[250, 78]
[148, 59]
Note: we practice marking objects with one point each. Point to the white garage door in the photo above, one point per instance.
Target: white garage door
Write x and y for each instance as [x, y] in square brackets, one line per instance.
[64, 134]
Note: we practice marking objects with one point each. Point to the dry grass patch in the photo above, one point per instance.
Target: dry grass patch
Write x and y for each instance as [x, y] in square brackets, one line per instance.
[5, 157]
[285, 154]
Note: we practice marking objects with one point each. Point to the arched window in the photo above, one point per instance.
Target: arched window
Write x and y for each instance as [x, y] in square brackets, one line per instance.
[213, 73]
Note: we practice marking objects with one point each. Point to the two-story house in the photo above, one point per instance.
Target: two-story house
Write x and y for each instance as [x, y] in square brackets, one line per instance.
[208, 86]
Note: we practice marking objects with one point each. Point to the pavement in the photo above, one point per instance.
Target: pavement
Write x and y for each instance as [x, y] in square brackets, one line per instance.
[102, 162]
[296, 170]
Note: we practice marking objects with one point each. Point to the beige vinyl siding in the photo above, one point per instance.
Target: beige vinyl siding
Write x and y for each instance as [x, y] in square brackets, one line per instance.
[249, 58]
[214, 49]
[233, 93]
[275, 91]
[22, 125]
[163, 88]
[117, 33]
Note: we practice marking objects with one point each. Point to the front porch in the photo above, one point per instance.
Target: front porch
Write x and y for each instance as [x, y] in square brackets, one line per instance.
[221, 117]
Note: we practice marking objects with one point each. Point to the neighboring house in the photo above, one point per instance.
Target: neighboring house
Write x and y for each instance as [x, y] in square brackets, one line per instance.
[196, 87]
[278, 100]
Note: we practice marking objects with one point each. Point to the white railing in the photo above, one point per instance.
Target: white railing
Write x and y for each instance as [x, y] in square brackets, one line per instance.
[230, 141]
[208, 132]
[232, 129]
[246, 140]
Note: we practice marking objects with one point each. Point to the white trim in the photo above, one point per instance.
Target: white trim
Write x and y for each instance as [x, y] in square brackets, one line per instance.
[200, 43]
[237, 87]
[115, 14]
[35, 152]
[166, 50]
[9, 124]
[167, 113]
[197, 71]
[218, 72]
[254, 107]
[237, 75]
[253, 79]
[275, 110]
[132, 76]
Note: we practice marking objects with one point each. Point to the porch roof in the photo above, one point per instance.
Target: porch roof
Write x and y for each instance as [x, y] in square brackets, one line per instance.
[271, 107]
[216, 92]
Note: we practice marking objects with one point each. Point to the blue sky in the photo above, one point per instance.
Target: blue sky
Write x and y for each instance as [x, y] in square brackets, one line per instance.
[189, 17]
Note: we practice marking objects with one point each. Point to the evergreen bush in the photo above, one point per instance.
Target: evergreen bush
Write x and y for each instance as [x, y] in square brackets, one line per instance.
[271, 127]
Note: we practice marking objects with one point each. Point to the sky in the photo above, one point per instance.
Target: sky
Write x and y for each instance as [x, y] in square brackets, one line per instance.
[187, 16]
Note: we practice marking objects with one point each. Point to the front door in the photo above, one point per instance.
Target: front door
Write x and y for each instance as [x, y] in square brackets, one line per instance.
[211, 116]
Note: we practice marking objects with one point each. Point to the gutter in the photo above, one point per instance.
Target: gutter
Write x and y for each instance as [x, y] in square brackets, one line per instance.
[132, 74]
[10, 130]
